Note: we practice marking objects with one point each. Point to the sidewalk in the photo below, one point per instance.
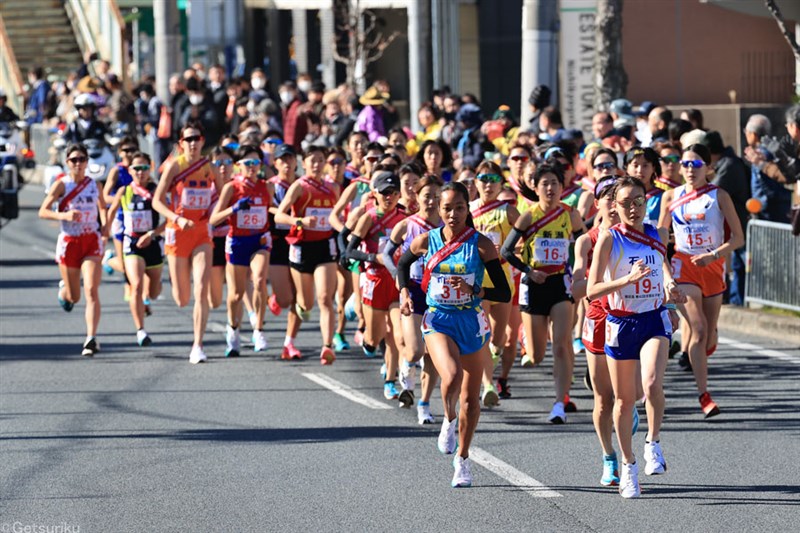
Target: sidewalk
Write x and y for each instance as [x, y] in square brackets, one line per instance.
[760, 323]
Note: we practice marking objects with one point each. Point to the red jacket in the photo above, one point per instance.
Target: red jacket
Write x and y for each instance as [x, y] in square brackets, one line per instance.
[295, 126]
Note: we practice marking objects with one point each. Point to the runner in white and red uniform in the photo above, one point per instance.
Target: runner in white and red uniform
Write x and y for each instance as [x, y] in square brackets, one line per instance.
[80, 244]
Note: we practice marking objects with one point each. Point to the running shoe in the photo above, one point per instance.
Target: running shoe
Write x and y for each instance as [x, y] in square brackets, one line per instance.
[232, 342]
[674, 348]
[587, 380]
[447, 436]
[259, 341]
[684, 362]
[527, 361]
[406, 398]
[147, 310]
[290, 352]
[65, 305]
[654, 462]
[503, 389]
[350, 308]
[106, 258]
[610, 471]
[272, 303]
[340, 344]
[490, 397]
[709, 406]
[424, 415]
[569, 405]
[369, 354]
[326, 356]
[390, 390]
[253, 319]
[143, 338]
[407, 375]
[577, 346]
[629, 481]
[462, 477]
[635, 421]
[557, 414]
[304, 315]
[495, 355]
[358, 337]
[90, 348]
[197, 355]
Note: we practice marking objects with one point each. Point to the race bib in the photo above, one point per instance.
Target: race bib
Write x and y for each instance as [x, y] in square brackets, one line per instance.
[696, 239]
[612, 334]
[169, 236]
[444, 292]
[295, 254]
[322, 214]
[483, 324]
[139, 221]
[588, 329]
[368, 288]
[551, 251]
[193, 198]
[644, 290]
[253, 218]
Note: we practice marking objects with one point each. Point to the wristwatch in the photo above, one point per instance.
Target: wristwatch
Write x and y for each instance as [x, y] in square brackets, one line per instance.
[476, 288]
[716, 254]
[298, 222]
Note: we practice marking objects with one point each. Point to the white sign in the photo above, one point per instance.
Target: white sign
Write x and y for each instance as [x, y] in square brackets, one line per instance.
[576, 63]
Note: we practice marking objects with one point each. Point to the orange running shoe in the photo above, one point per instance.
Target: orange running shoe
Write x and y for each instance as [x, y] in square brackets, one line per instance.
[709, 407]
[326, 356]
[272, 303]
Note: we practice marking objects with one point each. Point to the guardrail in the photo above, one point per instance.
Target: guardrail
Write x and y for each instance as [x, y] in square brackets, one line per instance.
[773, 265]
[10, 75]
[102, 29]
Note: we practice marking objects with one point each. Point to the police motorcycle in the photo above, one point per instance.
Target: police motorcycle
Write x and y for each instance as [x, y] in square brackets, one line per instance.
[14, 157]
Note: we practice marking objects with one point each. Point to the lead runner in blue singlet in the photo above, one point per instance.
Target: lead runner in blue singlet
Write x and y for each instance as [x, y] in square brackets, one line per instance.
[455, 327]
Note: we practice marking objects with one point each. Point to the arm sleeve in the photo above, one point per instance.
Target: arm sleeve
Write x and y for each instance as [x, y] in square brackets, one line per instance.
[355, 254]
[388, 257]
[501, 292]
[341, 239]
[507, 251]
[404, 268]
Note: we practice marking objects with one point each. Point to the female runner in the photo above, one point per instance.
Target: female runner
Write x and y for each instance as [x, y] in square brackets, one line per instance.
[701, 215]
[455, 327]
[312, 250]
[344, 281]
[426, 219]
[222, 159]
[631, 269]
[189, 179]
[545, 296]
[670, 157]
[80, 244]
[642, 163]
[142, 240]
[245, 203]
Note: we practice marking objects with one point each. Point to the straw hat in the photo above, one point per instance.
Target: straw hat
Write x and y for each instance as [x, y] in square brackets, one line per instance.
[373, 97]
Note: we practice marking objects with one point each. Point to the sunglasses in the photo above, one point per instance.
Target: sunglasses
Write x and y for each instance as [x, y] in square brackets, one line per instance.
[605, 166]
[636, 202]
[670, 158]
[140, 168]
[694, 163]
[192, 139]
[250, 162]
[467, 181]
[77, 160]
[273, 141]
[388, 192]
[222, 162]
[336, 162]
[373, 158]
[489, 178]
[128, 149]
[522, 158]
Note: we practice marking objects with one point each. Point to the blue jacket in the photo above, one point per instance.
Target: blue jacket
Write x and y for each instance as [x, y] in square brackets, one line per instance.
[34, 114]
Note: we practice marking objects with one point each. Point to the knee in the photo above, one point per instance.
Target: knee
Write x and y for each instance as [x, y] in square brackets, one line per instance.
[700, 331]
[180, 299]
[625, 405]
[325, 299]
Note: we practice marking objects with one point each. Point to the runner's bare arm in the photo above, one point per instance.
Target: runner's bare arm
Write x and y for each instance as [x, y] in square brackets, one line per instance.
[222, 210]
[282, 216]
[664, 220]
[346, 197]
[579, 274]
[111, 182]
[45, 211]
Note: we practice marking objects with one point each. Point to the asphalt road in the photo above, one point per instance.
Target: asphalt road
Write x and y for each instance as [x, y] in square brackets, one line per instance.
[137, 439]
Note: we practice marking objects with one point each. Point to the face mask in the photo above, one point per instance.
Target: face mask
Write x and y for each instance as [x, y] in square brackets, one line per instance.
[304, 86]
[287, 97]
[251, 106]
[214, 85]
[196, 99]
[258, 83]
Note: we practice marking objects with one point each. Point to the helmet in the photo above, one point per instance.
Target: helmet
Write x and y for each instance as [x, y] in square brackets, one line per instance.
[83, 100]
[2, 93]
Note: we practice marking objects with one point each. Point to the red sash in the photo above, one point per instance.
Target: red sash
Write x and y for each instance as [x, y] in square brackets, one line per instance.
[569, 191]
[64, 202]
[384, 221]
[491, 206]
[654, 192]
[514, 185]
[421, 222]
[668, 182]
[641, 238]
[675, 204]
[277, 181]
[141, 191]
[317, 185]
[542, 222]
[182, 175]
[444, 252]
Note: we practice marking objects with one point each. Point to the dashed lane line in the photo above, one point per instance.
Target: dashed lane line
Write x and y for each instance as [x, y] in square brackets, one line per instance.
[343, 390]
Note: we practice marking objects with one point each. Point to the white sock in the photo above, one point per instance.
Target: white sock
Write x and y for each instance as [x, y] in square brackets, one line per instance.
[288, 341]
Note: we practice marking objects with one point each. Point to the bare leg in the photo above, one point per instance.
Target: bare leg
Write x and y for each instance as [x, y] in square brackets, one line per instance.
[92, 269]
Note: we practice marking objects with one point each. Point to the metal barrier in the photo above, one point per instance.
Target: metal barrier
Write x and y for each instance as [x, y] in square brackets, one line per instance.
[41, 140]
[773, 265]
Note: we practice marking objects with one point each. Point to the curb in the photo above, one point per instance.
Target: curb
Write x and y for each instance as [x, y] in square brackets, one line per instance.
[760, 323]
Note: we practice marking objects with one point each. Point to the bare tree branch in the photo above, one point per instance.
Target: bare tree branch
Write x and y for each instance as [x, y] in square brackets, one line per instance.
[378, 51]
[788, 35]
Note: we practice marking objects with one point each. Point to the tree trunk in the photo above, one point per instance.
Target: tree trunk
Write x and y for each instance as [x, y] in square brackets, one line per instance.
[611, 82]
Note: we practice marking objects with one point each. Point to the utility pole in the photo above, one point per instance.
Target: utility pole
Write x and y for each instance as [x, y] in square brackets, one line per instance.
[167, 44]
[418, 66]
[539, 51]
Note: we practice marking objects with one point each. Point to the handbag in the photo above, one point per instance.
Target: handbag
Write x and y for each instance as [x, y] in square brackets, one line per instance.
[164, 124]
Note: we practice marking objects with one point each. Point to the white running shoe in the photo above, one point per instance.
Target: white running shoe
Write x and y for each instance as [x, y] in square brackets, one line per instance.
[424, 415]
[259, 341]
[629, 481]
[142, 338]
[557, 414]
[654, 462]
[232, 341]
[462, 477]
[197, 355]
[408, 375]
[251, 315]
[447, 436]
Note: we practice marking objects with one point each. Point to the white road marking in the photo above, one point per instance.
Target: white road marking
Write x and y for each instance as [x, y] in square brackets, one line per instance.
[44, 251]
[536, 489]
[346, 392]
[758, 350]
